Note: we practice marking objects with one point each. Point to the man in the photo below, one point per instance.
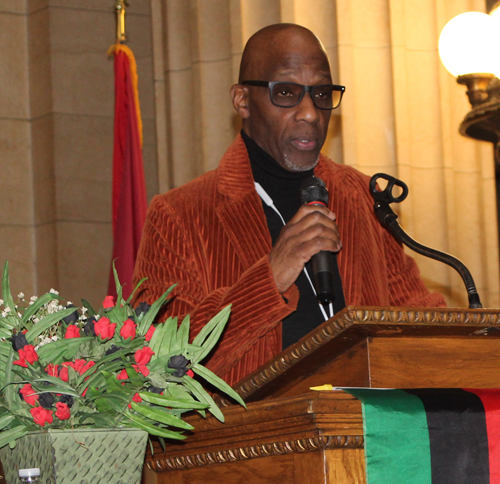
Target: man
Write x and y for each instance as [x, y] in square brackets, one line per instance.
[222, 245]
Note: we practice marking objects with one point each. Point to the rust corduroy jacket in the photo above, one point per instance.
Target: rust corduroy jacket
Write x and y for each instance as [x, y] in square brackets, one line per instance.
[210, 237]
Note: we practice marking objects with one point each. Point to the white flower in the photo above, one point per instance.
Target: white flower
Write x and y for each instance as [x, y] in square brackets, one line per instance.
[44, 341]
[19, 314]
[35, 320]
[84, 310]
[7, 310]
[53, 291]
[20, 295]
[33, 298]
[4, 314]
[1, 302]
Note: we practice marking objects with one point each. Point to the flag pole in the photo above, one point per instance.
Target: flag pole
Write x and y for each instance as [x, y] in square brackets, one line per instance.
[120, 10]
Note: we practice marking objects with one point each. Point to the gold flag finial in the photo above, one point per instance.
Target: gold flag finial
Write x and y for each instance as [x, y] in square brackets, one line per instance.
[120, 9]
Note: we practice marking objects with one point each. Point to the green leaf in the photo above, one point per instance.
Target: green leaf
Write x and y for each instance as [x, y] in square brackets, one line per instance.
[151, 397]
[134, 377]
[112, 401]
[8, 436]
[5, 420]
[183, 333]
[200, 393]
[90, 310]
[161, 415]
[169, 336]
[9, 389]
[153, 311]
[135, 289]
[157, 380]
[210, 334]
[142, 424]
[7, 296]
[113, 385]
[61, 385]
[217, 382]
[96, 379]
[99, 420]
[208, 328]
[61, 350]
[119, 287]
[162, 337]
[8, 323]
[31, 310]
[46, 322]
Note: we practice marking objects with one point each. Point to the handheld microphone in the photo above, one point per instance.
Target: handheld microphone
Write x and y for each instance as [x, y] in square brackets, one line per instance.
[313, 191]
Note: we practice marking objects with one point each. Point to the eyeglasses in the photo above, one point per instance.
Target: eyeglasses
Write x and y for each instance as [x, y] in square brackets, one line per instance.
[289, 94]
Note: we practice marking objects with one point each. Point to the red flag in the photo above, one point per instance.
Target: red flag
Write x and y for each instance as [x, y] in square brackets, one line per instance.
[129, 188]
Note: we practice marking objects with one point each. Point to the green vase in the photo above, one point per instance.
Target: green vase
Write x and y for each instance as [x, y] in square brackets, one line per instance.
[80, 456]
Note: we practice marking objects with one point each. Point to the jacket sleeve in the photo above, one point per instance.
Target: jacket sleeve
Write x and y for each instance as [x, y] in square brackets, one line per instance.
[167, 256]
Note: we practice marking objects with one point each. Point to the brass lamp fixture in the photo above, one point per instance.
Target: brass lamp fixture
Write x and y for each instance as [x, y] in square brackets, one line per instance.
[468, 48]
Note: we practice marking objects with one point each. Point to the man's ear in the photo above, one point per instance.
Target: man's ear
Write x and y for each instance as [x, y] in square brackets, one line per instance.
[239, 95]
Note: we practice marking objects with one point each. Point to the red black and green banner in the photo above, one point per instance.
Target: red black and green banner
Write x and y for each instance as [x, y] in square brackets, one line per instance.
[438, 436]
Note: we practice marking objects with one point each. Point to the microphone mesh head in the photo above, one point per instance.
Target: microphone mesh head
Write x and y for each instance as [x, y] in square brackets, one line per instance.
[313, 189]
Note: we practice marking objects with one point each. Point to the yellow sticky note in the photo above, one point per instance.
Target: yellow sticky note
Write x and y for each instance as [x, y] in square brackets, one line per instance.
[322, 388]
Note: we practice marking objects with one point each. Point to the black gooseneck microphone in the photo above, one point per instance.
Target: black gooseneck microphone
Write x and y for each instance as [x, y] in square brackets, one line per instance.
[313, 191]
[388, 219]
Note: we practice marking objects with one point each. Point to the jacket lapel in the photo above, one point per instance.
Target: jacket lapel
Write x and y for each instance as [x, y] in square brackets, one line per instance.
[241, 213]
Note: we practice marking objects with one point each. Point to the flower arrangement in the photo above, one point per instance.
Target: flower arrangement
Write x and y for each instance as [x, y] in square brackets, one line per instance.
[64, 367]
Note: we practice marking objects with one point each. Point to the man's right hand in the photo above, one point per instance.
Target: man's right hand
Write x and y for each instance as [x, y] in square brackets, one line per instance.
[312, 229]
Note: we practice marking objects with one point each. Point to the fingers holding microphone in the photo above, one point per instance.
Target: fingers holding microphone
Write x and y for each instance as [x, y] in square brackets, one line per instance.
[313, 229]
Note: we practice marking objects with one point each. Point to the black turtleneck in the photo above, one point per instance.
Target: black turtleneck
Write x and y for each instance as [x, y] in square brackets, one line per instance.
[283, 188]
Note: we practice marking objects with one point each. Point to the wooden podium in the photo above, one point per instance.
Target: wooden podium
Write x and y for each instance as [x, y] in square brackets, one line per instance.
[290, 434]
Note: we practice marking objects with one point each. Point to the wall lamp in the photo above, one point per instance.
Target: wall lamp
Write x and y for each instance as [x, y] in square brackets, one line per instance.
[468, 48]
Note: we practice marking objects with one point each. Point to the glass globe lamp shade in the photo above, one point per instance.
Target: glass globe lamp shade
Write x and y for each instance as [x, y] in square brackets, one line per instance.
[468, 43]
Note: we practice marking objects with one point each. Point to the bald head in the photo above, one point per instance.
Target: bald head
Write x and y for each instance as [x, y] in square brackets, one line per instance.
[271, 49]
[283, 53]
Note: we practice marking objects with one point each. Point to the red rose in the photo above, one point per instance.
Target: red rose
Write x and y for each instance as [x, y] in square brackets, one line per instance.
[128, 329]
[143, 356]
[109, 302]
[87, 366]
[142, 369]
[104, 328]
[136, 398]
[52, 370]
[27, 354]
[30, 354]
[63, 373]
[62, 412]
[150, 333]
[29, 395]
[77, 365]
[84, 392]
[72, 332]
[122, 375]
[190, 373]
[41, 416]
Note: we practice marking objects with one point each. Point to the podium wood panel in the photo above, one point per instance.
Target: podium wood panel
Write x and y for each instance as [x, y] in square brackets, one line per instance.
[347, 351]
[315, 438]
[291, 434]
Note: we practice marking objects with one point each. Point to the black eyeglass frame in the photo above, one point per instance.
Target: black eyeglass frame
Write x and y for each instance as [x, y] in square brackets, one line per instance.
[271, 84]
